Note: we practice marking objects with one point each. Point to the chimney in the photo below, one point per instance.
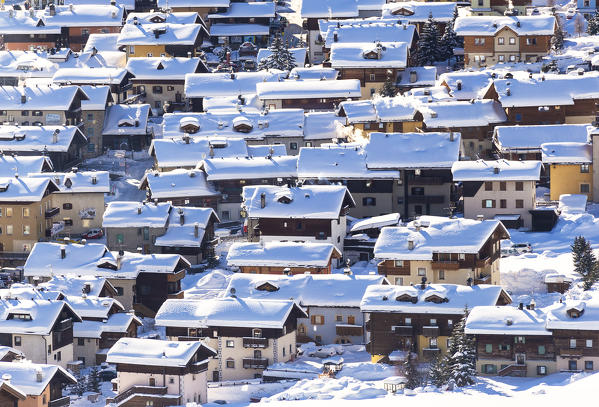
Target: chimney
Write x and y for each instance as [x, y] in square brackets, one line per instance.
[74, 170]
[347, 270]
[87, 288]
[135, 22]
[39, 375]
[181, 217]
[94, 180]
[71, 7]
[63, 252]
[139, 210]
[532, 304]
[119, 259]
[480, 218]
[52, 9]
[139, 250]
[6, 377]
[188, 54]
[509, 321]
[508, 92]
[83, 241]
[496, 170]
[211, 151]
[287, 271]
[423, 283]
[413, 76]
[55, 136]
[521, 306]
[196, 230]
[335, 36]
[410, 245]
[469, 282]
[23, 98]
[186, 139]
[113, 2]
[262, 200]
[459, 84]
[451, 136]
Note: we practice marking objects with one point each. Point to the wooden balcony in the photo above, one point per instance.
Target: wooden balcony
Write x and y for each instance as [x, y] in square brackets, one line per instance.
[251, 342]
[483, 262]
[176, 296]
[61, 402]
[348, 330]
[154, 390]
[255, 363]
[424, 199]
[430, 353]
[430, 331]
[445, 265]
[175, 276]
[404, 330]
[577, 352]
[513, 370]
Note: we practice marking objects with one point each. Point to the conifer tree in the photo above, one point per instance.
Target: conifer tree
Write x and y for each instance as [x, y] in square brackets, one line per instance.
[449, 40]
[557, 41]
[93, 381]
[279, 58]
[461, 356]
[437, 372]
[389, 88]
[584, 261]
[428, 44]
[410, 372]
[81, 386]
[593, 25]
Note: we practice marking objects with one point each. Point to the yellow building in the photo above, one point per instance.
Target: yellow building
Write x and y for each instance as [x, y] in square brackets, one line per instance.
[570, 168]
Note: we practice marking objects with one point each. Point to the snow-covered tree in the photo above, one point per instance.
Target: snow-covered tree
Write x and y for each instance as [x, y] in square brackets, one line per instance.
[389, 88]
[579, 23]
[81, 386]
[279, 58]
[584, 261]
[557, 41]
[410, 372]
[93, 381]
[450, 39]
[593, 25]
[461, 356]
[428, 44]
[437, 372]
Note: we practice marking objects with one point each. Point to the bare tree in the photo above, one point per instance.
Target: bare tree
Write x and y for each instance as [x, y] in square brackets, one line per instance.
[579, 24]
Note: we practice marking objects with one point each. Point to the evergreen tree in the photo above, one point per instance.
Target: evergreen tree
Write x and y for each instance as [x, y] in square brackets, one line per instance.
[584, 261]
[437, 373]
[461, 356]
[593, 25]
[279, 58]
[81, 386]
[410, 372]
[557, 41]
[93, 380]
[389, 88]
[428, 44]
[449, 41]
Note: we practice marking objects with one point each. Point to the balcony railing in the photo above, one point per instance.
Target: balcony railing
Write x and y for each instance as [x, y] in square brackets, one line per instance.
[255, 363]
[348, 330]
[430, 353]
[64, 325]
[61, 402]
[483, 262]
[431, 199]
[511, 369]
[405, 330]
[445, 265]
[570, 352]
[251, 342]
[430, 331]
[51, 212]
[156, 390]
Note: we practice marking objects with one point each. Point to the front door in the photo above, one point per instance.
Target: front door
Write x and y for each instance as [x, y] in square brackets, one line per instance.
[520, 358]
[215, 376]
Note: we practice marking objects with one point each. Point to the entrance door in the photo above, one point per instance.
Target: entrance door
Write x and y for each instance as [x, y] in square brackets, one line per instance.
[520, 358]
[215, 376]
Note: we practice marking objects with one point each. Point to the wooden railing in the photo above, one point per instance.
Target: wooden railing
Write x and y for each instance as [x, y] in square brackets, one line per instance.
[61, 402]
[511, 369]
[251, 342]
[156, 390]
[255, 363]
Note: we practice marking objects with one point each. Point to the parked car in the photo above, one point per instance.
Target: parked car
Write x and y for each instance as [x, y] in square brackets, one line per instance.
[93, 234]
[520, 248]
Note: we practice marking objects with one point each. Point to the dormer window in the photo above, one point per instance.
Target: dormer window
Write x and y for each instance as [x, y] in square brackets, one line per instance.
[407, 298]
[267, 286]
[257, 333]
[21, 316]
[435, 298]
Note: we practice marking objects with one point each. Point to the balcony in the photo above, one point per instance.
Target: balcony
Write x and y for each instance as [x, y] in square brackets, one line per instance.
[255, 363]
[64, 325]
[348, 330]
[445, 265]
[513, 370]
[251, 342]
[405, 330]
[133, 390]
[430, 331]
[577, 353]
[483, 262]
[49, 213]
[173, 277]
[430, 353]
[424, 199]
[420, 180]
[61, 402]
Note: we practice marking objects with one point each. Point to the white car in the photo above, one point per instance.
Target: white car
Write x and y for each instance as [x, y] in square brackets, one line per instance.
[519, 248]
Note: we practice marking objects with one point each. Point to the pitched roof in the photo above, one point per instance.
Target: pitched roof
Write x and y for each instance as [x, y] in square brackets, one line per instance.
[567, 153]
[477, 113]
[39, 98]
[25, 189]
[122, 214]
[505, 320]
[177, 152]
[368, 55]
[200, 85]
[588, 319]
[152, 352]
[179, 183]
[419, 12]
[39, 138]
[236, 168]
[532, 137]
[181, 231]
[18, 164]
[372, 32]
[498, 170]
[491, 25]
[257, 9]
[23, 376]
[163, 68]
[308, 89]
[156, 34]
[78, 182]
[43, 314]
[329, 8]
[281, 254]
[126, 120]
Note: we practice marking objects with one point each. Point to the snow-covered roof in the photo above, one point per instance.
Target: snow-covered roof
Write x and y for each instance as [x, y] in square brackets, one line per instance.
[308, 89]
[490, 25]
[505, 320]
[226, 312]
[384, 109]
[383, 298]
[156, 17]
[99, 96]
[90, 306]
[73, 284]
[7, 350]
[93, 76]
[45, 258]
[369, 55]
[412, 150]
[25, 22]
[299, 55]
[307, 201]
[314, 72]
[162, 68]
[442, 235]
[159, 34]
[337, 162]
[179, 183]
[78, 182]
[235, 168]
[254, 9]
[238, 29]
[567, 153]
[17, 164]
[128, 5]
[572, 203]
[25, 189]
[153, 352]
[201, 85]
[532, 137]
[329, 8]
[588, 318]
[192, 3]
[476, 113]
[83, 15]
[116, 323]
[428, 94]
[309, 290]
[390, 219]
[23, 376]
[175, 152]
[370, 33]
[497, 170]
[425, 75]
[39, 138]
[102, 42]
[122, 214]
[39, 98]
[126, 120]
[419, 12]
[322, 125]
[466, 85]
[41, 315]
[181, 231]
[281, 254]
[263, 150]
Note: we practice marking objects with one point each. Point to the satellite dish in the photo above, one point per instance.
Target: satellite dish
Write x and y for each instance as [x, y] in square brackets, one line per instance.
[233, 291]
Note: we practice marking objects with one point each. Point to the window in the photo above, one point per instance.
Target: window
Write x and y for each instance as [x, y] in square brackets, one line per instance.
[171, 380]
[170, 88]
[225, 215]
[318, 339]
[24, 113]
[489, 369]
[441, 274]
[398, 280]
[512, 58]
[512, 40]
[17, 340]
[368, 201]
[308, 144]
[519, 203]
[488, 186]
[317, 319]
[418, 191]
[572, 365]
[230, 364]
[408, 321]
[146, 232]
[520, 339]
[421, 271]
[589, 343]
[119, 291]
[59, 356]
[541, 350]
[398, 263]
[488, 348]
[585, 188]
[157, 89]
[503, 203]
[80, 341]
[480, 3]
[433, 343]
[588, 365]
[433, 322]
[9, 229]
[504, 346]
[500, 41]
[488, 203]
[339, 318]
[450, 323]
[230, 343]
[67, 206]
[302, 329]
[572, 344]
[372, 77]
[257, 333]
[68, 221]
[9, 212]
[479, 41]
[584, 168]
[293, 146]
[502, 186]
[37, 113]
[519, 186]
[26, 229]
[90, 116]
[119, 238]
[541, 370]
[531, 41]
[157, 104]
[26, 212]
[518, 117]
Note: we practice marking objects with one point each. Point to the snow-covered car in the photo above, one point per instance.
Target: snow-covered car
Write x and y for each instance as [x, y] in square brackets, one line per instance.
[93, 234]
[519, 248]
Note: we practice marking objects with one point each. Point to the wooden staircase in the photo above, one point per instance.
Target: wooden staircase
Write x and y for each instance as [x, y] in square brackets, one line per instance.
[511, 369]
